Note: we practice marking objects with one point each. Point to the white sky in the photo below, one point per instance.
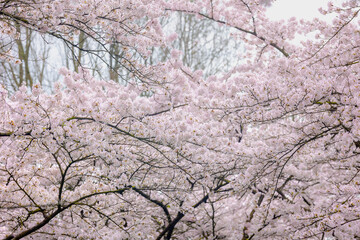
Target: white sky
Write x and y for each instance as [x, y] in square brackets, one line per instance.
[307, 9]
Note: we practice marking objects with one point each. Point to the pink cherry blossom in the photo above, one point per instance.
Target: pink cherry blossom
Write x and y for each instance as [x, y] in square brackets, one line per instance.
[267, 150]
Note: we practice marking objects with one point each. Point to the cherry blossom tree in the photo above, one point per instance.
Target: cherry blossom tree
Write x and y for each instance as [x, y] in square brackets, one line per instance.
[269, 150]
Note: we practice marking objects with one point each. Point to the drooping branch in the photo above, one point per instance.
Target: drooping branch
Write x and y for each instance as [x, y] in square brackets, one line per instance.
[59, 210]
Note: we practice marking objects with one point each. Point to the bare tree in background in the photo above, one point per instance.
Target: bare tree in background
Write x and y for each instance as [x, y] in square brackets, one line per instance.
[32, 52]
[201, 48]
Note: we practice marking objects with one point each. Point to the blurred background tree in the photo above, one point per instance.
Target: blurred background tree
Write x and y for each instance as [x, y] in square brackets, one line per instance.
[204, 45]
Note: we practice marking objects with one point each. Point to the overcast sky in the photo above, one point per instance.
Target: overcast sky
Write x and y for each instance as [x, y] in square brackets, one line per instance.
[308, 9]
